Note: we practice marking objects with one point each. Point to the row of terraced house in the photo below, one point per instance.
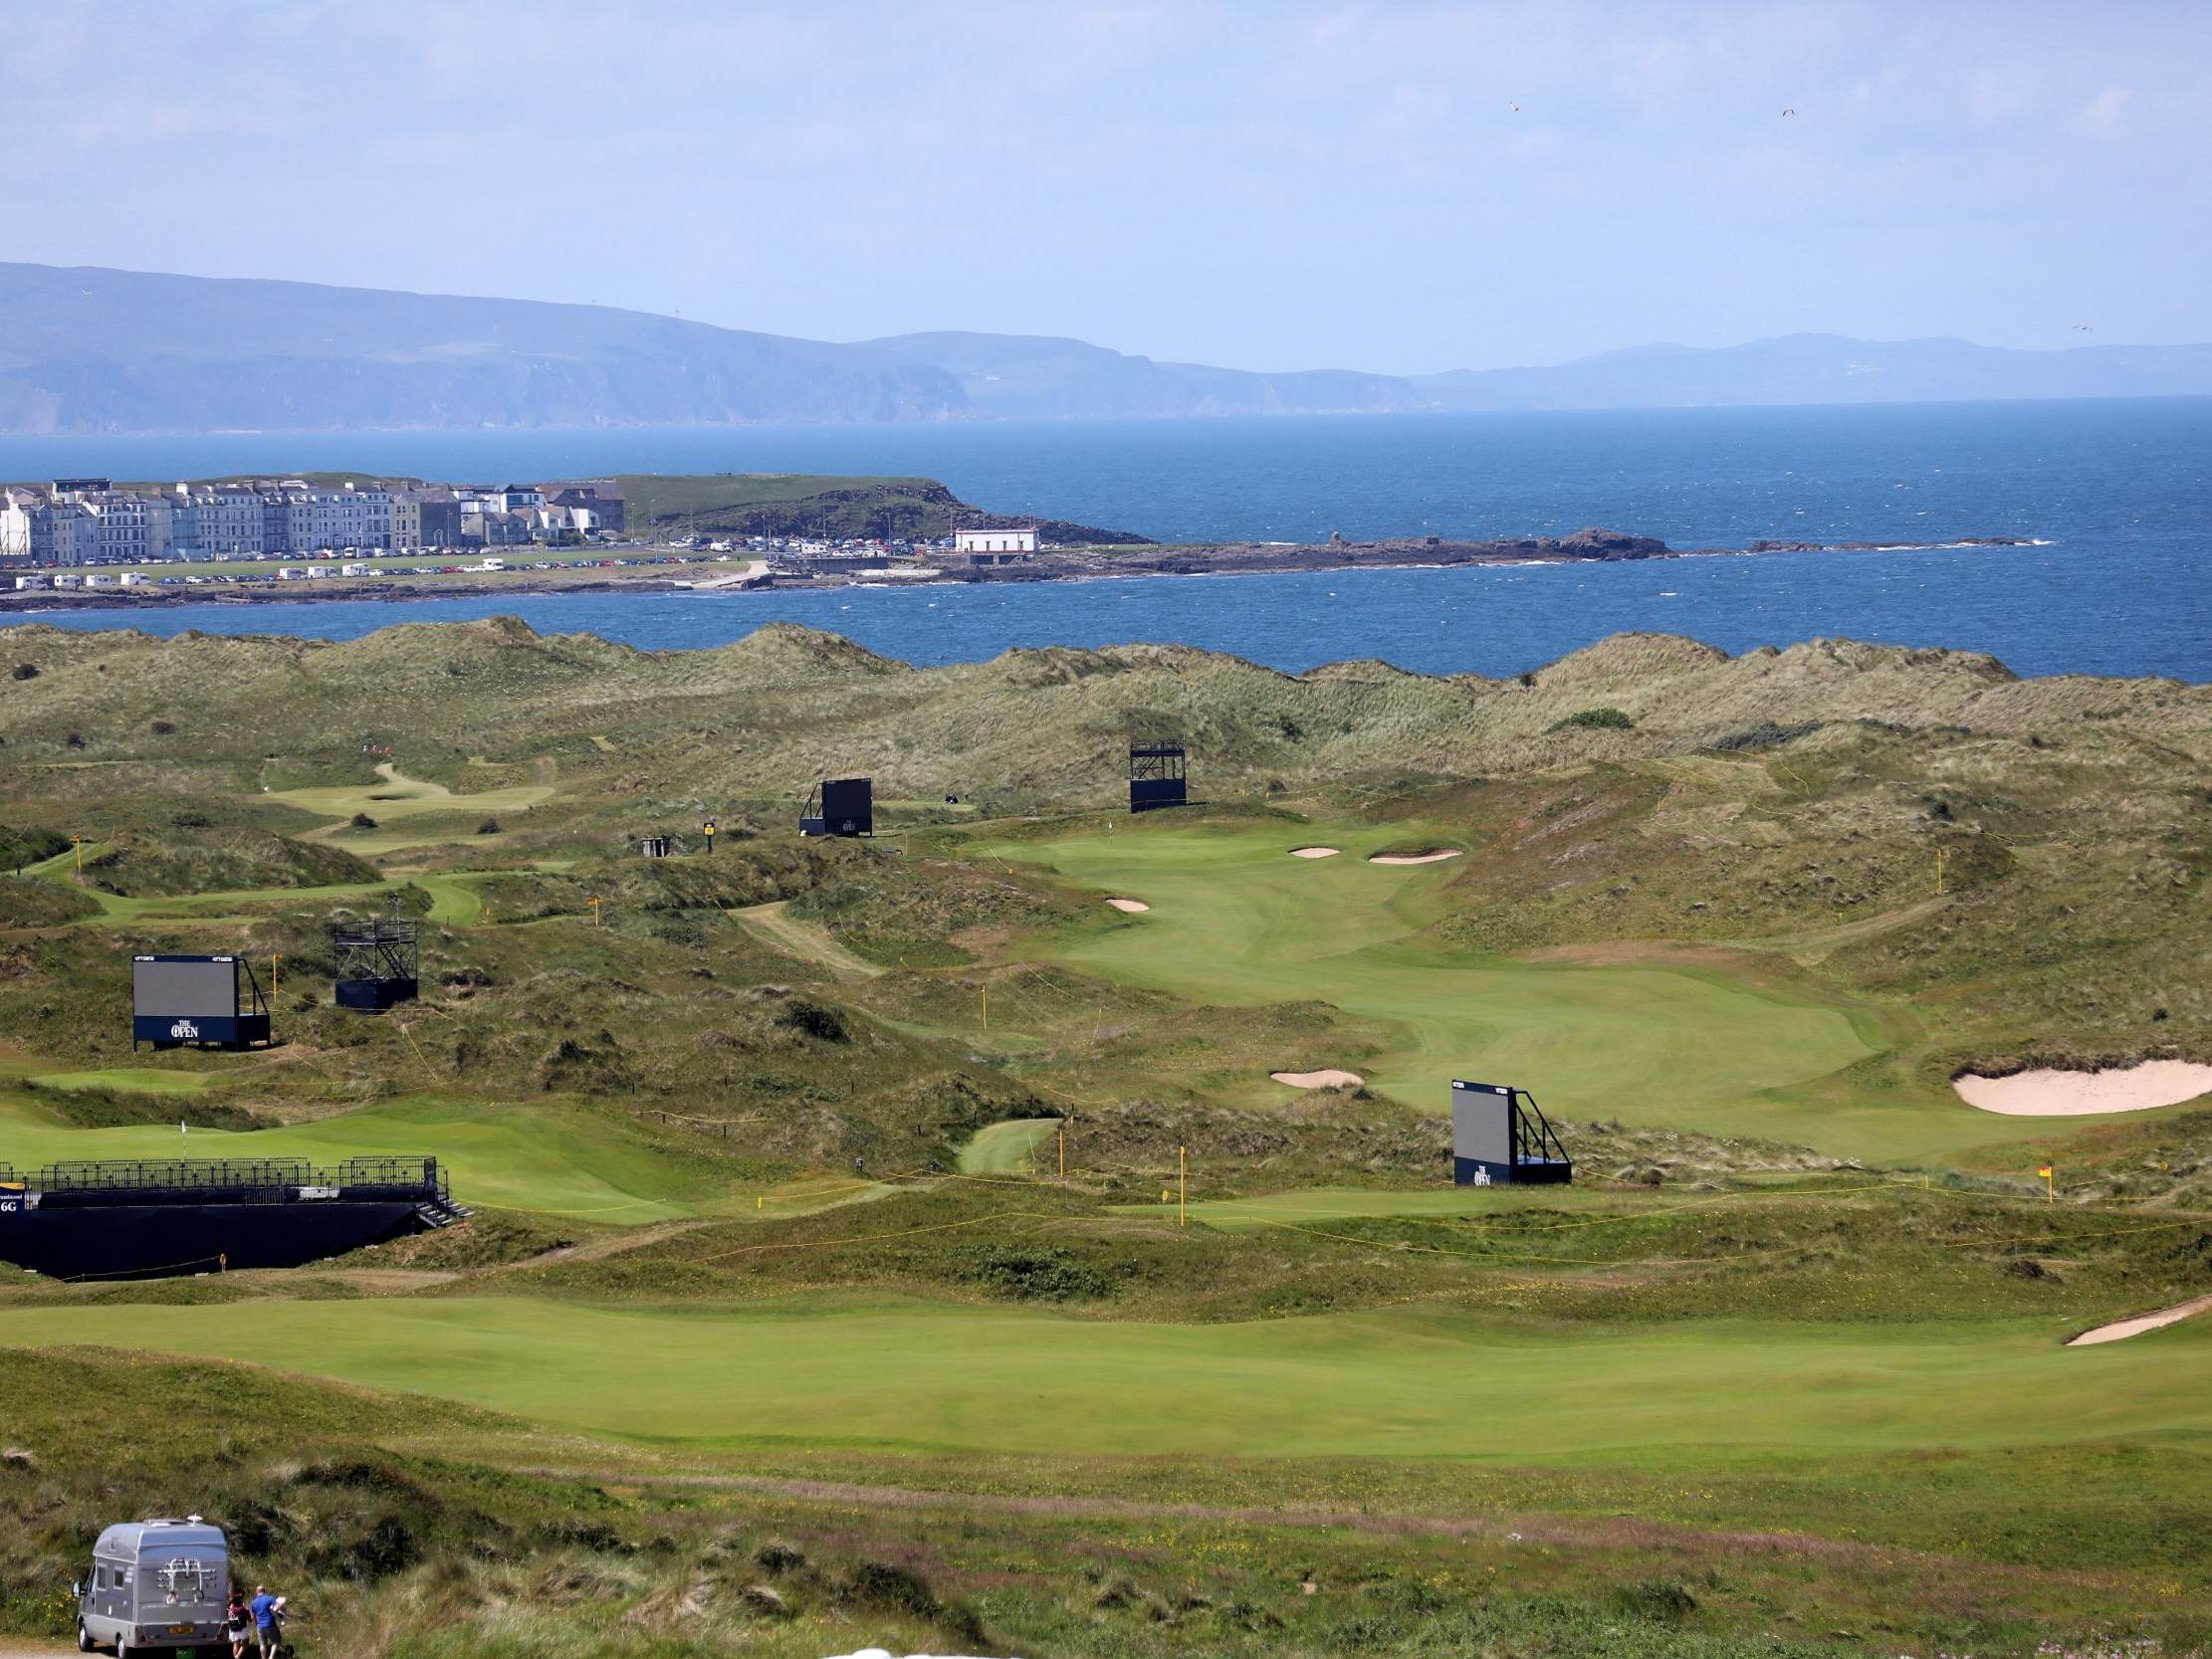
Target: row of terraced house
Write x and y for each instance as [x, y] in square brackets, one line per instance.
[88, 521]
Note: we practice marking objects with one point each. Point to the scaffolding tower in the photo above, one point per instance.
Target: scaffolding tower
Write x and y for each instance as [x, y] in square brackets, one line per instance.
[379, 962]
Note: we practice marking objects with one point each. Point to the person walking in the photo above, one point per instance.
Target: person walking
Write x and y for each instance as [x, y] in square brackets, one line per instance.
[238, 1625]
[268, 1611]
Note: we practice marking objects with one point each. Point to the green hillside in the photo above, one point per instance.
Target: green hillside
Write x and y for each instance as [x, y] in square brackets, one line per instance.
[780, 1325]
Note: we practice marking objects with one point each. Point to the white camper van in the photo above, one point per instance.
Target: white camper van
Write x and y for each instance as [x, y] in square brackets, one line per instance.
[155, 1585]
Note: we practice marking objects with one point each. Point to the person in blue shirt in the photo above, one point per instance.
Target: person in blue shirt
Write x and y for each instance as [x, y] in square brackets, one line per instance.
[268, 1611]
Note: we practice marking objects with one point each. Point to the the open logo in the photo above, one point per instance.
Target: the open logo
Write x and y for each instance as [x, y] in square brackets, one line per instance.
[185, 1029]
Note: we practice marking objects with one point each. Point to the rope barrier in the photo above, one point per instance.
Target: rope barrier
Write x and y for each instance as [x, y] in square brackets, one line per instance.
[135, 1272]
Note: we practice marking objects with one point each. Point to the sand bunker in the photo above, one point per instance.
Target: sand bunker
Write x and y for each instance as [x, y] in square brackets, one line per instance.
[1436, 857]
[1320, 1080]
[1135, 907]
[2053, 1094]
[2120, 1329]
[1315, 852]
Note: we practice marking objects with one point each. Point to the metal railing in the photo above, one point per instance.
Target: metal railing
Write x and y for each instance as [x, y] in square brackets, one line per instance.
[235, 1180]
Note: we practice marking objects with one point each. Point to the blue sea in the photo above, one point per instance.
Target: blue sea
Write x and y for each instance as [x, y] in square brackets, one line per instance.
[2117, 497]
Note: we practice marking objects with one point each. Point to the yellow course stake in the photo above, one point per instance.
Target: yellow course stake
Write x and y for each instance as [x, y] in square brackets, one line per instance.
[594, 903]
[276, 975]
[77, 843]
[2050, 1187]
[987, 1007]
[1182, 1187]
[1942, 854]
[1063, 1150]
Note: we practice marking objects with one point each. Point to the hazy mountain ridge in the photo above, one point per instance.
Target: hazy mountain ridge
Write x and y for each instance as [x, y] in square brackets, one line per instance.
[96, 350]
[1045, 377]
[114, 351]
[1827, 368]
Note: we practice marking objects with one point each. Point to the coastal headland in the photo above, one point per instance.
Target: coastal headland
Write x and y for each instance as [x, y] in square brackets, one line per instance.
[730, 532]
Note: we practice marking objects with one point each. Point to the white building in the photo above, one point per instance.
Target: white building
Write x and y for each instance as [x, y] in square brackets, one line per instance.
[63, 534]
[995, 542]
[223, 520]
[317, 520]
[132, 529]
[16, 506]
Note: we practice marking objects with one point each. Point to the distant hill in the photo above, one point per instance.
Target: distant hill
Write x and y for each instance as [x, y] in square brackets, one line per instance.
[90, 350]
[1042, 378]
[87, 349]
[1826, 368]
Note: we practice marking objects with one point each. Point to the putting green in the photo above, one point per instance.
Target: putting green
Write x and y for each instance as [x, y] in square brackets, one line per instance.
[1404, 1383]
[395, 796]
[555, 1159]
[454, 902]
[1007, 1148]
[1236, 920]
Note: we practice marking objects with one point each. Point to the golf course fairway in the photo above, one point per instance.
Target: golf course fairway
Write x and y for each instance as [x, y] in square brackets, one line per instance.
[1403, 1382]
[1236, 919]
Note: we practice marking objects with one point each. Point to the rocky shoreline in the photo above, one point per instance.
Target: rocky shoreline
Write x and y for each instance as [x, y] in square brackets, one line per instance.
[1072, 563]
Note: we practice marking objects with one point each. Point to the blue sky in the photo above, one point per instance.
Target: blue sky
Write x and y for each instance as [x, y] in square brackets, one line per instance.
[1261, 186]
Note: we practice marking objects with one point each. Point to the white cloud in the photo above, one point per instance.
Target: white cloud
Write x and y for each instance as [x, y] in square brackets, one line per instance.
[1139, 167]
[2101, 117]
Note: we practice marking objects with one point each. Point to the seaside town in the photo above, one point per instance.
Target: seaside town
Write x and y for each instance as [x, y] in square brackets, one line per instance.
[86, 532]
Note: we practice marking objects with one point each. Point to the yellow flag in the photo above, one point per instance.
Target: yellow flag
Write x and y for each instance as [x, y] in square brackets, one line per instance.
[2044, 1171]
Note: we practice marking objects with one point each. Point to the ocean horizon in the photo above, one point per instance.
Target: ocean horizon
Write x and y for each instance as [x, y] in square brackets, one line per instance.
[2113, 498]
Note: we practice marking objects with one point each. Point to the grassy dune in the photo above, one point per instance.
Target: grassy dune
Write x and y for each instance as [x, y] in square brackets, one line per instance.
[779, 1328]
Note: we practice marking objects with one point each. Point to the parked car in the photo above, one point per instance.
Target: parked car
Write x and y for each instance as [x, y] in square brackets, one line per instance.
[155, 1585]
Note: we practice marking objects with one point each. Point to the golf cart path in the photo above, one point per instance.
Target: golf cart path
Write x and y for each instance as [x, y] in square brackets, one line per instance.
[774, 926]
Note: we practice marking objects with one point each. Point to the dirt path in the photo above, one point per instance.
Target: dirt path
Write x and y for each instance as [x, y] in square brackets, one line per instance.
[1816, 944]
[597, 1249]
[774, 925]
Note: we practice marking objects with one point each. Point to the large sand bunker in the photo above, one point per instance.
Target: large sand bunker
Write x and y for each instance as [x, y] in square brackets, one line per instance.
[1436, 857]
[1135, 907]
[2056, 1094]
[2124, 1328]
[1315, 852]
[1326, 1079]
